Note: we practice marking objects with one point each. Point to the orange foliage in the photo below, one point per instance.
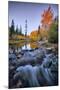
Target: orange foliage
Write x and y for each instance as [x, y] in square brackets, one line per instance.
[47, 17]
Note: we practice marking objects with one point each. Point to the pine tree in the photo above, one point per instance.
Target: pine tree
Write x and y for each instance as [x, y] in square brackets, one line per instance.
[17, 30]
[12, 28]
[39, 33]
[20, 32]
[25, 27]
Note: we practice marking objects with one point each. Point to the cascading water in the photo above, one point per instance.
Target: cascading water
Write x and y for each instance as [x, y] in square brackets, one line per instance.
[29, 75]
[39, 74]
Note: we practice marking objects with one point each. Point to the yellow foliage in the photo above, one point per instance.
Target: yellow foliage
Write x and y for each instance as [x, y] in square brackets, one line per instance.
[35, 35]
[33, 45]
[20, 37]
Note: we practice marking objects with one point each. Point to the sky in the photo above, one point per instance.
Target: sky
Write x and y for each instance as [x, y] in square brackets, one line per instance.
[20, 11]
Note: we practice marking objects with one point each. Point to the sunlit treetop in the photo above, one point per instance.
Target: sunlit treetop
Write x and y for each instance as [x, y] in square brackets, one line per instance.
[47, 16]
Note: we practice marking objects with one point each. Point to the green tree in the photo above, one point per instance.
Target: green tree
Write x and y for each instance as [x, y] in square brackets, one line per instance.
[12, 28]
[39, 33]
[17, 30]
[20, 32]
[26, 27]
[53, 33]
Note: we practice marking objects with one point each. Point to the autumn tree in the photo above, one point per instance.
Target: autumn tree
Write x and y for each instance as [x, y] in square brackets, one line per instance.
[33, 35]
[47, 18]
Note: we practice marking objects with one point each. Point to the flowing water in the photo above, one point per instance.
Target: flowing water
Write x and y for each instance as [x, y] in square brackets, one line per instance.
[39, 74]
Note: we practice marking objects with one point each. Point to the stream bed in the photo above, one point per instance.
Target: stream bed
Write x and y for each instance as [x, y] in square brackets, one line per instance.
[32, 67]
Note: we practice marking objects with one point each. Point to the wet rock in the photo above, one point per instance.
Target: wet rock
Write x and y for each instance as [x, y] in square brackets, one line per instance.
[31, 50]
[12, 57]
[49, 50]
[11, 68]
[19, 56]
[54, 66]
[10, 51]
[19, 84]
[40, 56]
[27, 59]
[48, 60]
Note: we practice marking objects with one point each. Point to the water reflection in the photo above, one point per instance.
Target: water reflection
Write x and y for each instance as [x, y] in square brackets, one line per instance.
[25, 45]
[34, 45]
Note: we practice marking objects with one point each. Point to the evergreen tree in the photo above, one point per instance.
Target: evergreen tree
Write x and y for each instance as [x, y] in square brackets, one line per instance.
[25, 27]
[17, 30]
[39, 33]
[20, 32]
[53, 33]
[12, 31]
